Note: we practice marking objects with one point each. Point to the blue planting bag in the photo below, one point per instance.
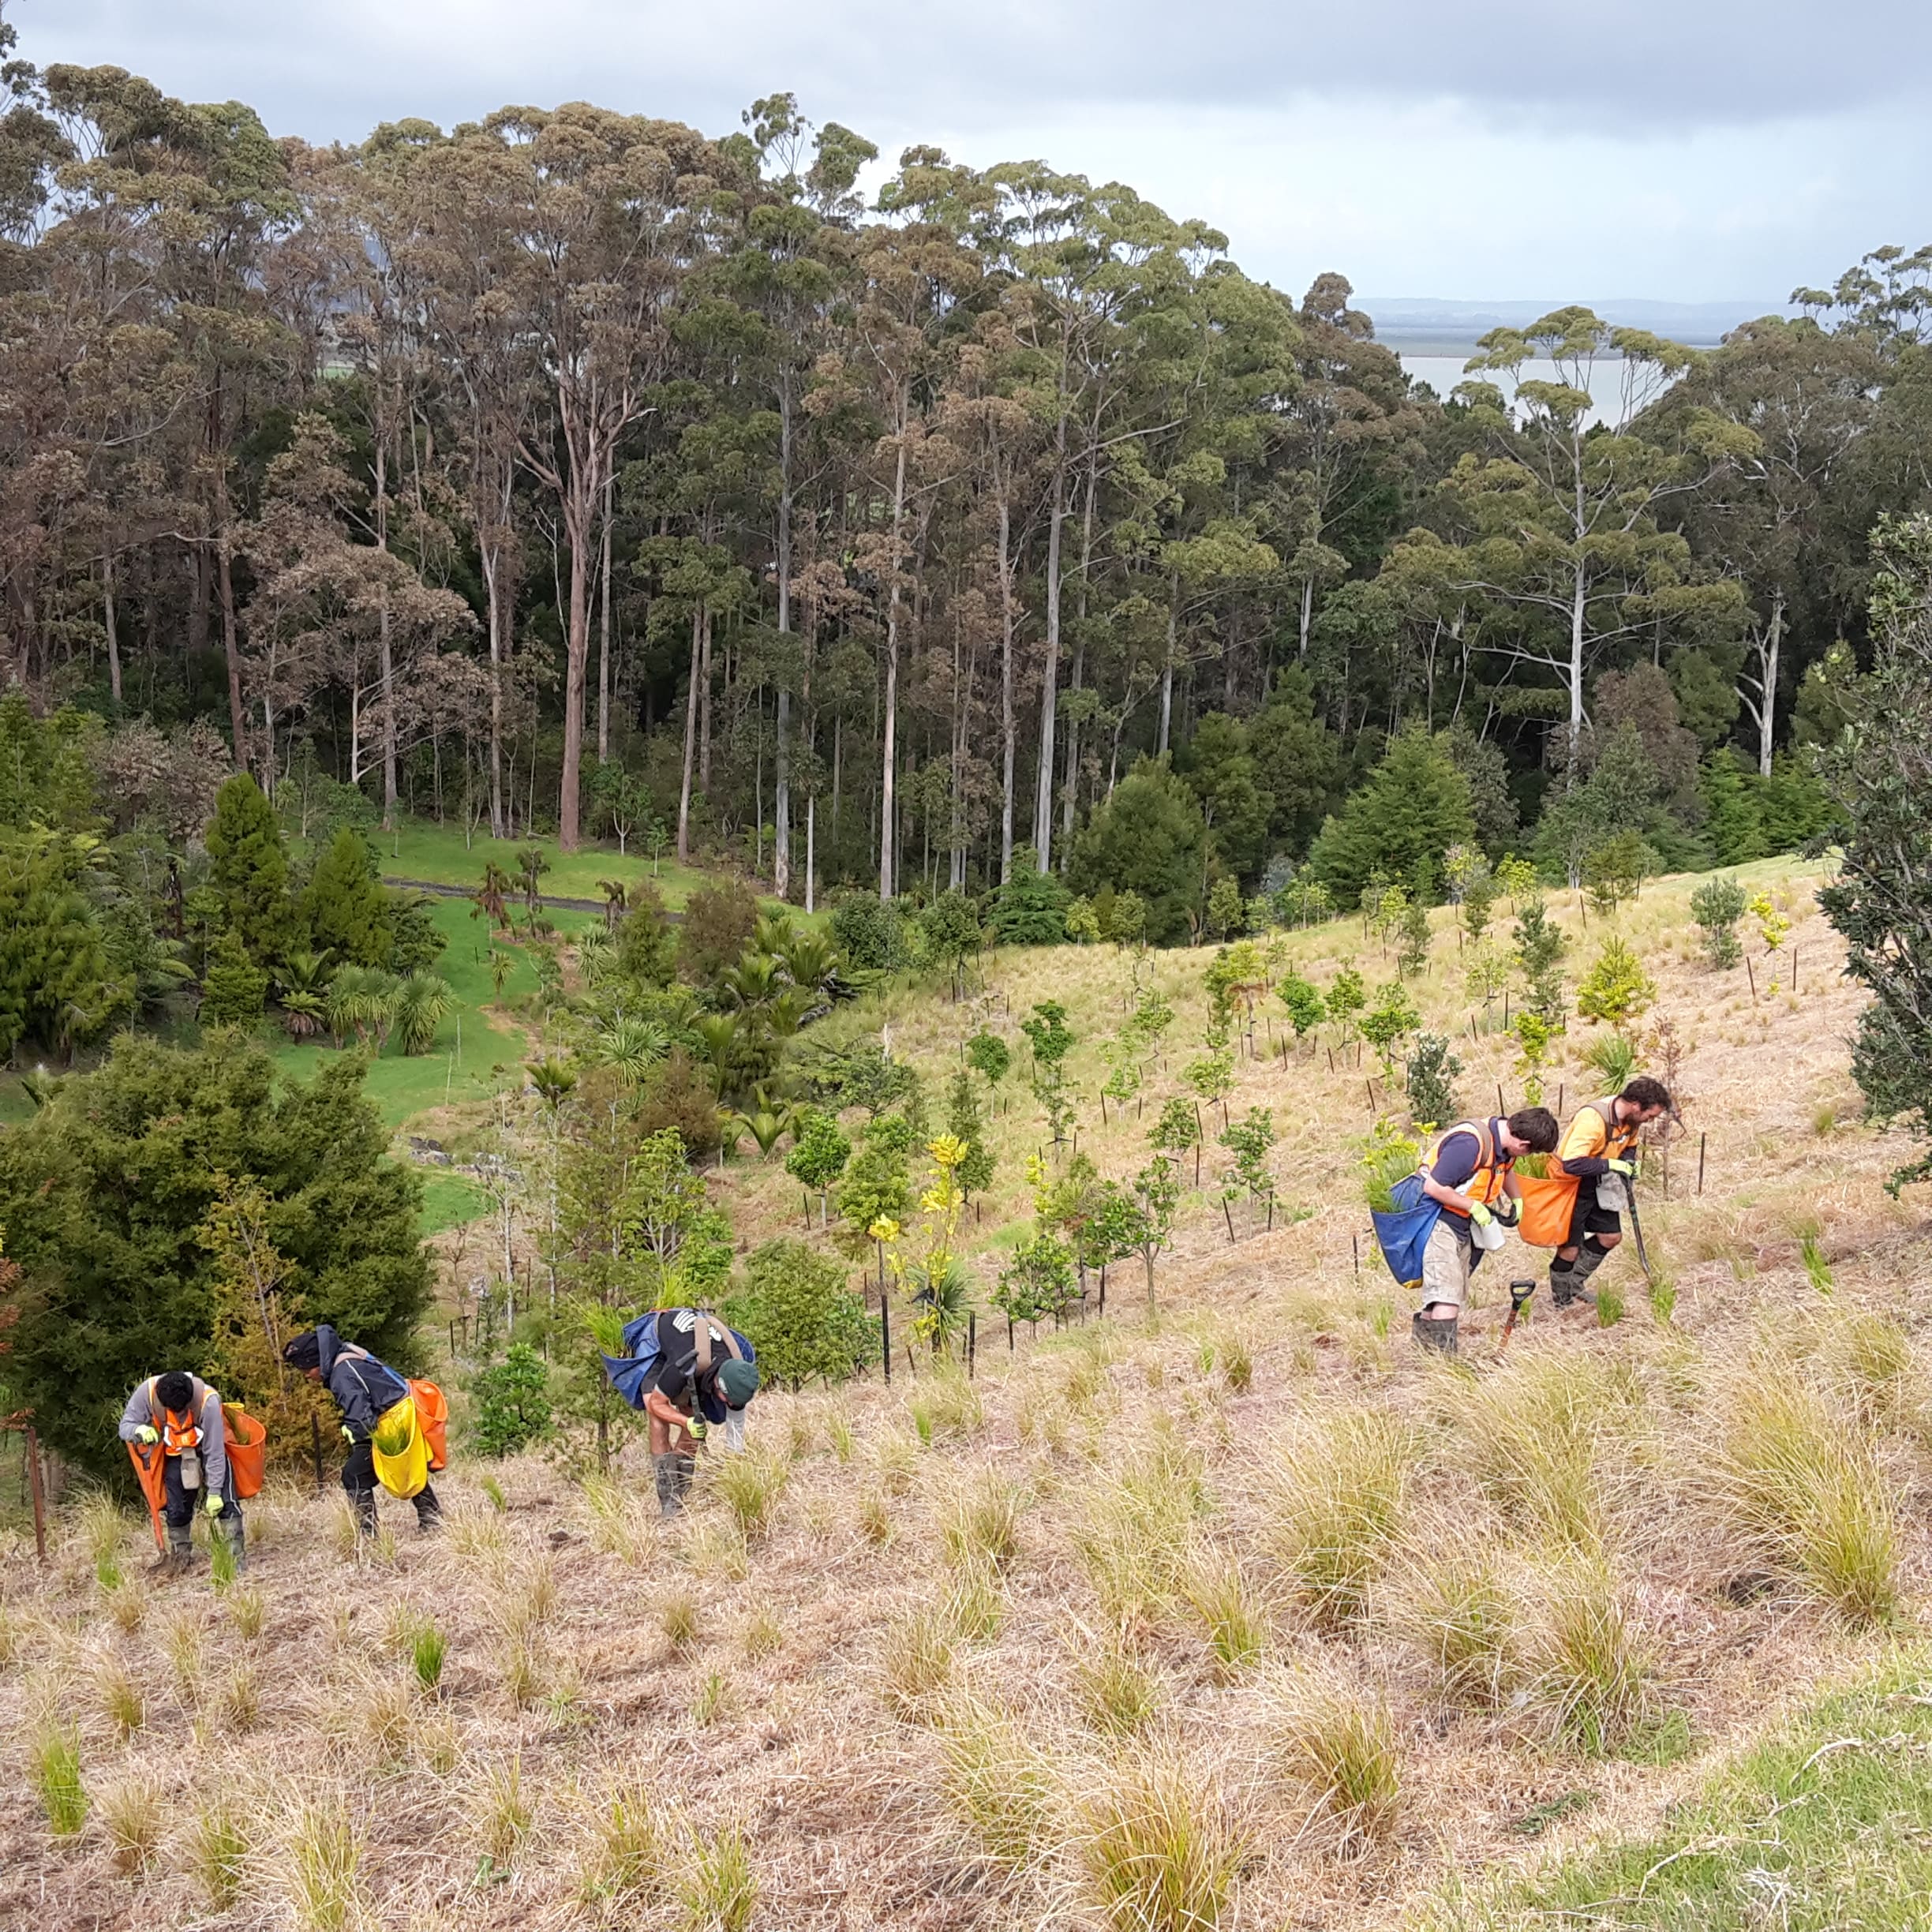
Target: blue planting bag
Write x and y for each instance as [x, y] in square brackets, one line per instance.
[1403, 1232]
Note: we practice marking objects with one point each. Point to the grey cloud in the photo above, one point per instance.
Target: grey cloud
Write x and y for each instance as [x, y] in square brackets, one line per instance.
[333, 67]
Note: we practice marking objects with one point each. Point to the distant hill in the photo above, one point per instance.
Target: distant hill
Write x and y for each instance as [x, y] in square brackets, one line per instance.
[1426, 324]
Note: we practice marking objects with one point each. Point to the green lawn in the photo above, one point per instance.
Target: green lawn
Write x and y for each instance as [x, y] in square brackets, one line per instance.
[450, 1199]
[472, 1055]
[419, 849]
[1829, 1825]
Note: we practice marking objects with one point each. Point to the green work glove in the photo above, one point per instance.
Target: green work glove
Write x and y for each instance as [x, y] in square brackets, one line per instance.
[348, 1434]
[1481, 1214]
[148, 1434]
[696, 1426]
[213, 1505]
[1621, 1166]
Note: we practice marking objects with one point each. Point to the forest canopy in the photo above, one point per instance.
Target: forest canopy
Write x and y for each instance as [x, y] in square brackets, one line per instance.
[578, 471]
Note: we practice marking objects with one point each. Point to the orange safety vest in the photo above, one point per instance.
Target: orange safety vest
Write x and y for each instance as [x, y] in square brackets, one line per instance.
[1618, 1138]
[177, 1433]
[1492, 1168]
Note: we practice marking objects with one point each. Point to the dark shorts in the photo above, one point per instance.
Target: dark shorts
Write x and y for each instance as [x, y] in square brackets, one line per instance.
[1587, 1218]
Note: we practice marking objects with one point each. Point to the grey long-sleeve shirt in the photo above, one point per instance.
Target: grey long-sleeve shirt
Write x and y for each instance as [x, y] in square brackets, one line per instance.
[143, 1411]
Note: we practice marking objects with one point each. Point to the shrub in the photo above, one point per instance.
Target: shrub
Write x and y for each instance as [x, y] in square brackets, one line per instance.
[678, 1094]
[346, 910]
[1432, 1073]
[1148, 838]
[131, 1267]
[1030, 908]
[874, 934]
[510, 1409]
[248, 872]
[1413, 807]
[719, 919]
[234, 988]
[802, 1318]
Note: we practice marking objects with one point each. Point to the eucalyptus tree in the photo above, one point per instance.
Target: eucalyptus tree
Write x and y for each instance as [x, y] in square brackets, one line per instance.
[1557, 524]
[605, 215]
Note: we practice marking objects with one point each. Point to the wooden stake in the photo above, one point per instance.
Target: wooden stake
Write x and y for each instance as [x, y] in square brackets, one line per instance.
[1752, 977]
[1700, 1163]
[1368, 1088]
[972, 1341]
[1501, 1105]
[314, 1447]
[1355, 1243]
[39, 1493]
[886, 1337]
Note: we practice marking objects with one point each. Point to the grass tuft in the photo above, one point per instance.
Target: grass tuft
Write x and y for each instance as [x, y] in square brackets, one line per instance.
[1118, 1694]
[53, 1769]
[677, 1617]
[630, 1855]
[999, 1783]
[1235, 1618]
[717, 1886]
[217, 1850]
[1588, 1669]
[980, 1524]
[131, 1809]
[120, 1696]
[428, 1647]
[749, 1486]
[1161, 1852]
[918, 1655]
[1340, 1745]
[1799, 1482]
[1450, 1605]
[320, 1859]
[1334, 1505]
[507, 1810]
[247, 1611]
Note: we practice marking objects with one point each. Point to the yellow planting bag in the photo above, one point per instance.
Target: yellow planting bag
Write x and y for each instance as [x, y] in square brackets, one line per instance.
[401, 1455]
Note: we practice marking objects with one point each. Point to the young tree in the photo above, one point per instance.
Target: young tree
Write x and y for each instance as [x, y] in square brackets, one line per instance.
[1403, 822]
[819, 1152]
[1880, 775]
[248, 868]
[345, 908]
[1718, 905]
[1052, 1041]
[802, 1318]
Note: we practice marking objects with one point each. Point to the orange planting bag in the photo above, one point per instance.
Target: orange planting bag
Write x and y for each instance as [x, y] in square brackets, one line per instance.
[1548, 1203]
[247, 1440]
[432, 1419]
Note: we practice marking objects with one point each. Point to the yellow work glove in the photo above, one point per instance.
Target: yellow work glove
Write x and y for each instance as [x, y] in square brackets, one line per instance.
[348, 1434]
[146, 1434]
[1481, 1214]
[1621, 1166]
[213, 1505]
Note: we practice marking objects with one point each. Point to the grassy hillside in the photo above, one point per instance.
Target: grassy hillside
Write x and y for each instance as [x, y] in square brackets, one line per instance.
[1237, 1615]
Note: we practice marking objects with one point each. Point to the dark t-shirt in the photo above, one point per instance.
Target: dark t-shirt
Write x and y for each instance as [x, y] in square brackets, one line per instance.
[1458, 1157]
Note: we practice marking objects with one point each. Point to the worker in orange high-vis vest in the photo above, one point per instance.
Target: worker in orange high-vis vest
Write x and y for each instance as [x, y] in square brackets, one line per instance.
[177, 1418]
[1469, 1172]
[1597, 1149]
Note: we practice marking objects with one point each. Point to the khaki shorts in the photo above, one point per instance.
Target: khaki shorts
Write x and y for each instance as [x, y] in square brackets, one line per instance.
[1446, 1263]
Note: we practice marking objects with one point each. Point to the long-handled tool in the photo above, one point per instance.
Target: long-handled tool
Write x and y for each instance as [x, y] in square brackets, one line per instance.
[1520, 1294]
[1643, 1258]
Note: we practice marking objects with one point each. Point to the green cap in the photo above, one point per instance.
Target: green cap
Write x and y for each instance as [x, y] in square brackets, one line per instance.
[738, 1382]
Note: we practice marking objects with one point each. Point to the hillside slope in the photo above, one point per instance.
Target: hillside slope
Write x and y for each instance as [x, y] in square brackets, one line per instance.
[1236, 1614]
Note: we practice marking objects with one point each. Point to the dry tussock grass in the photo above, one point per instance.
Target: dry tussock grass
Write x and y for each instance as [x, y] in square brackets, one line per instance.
[1239, 1617]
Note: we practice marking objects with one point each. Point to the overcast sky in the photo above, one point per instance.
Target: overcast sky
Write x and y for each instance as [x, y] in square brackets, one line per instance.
[1687, 150]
